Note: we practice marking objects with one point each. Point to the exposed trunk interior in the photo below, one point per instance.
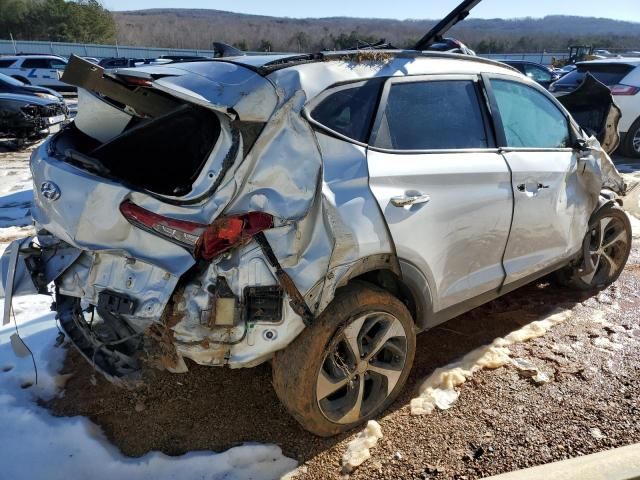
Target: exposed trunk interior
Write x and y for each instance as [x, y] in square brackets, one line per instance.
[164, 155]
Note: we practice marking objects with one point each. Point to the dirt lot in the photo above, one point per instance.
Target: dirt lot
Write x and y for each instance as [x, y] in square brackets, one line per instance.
[501, 422]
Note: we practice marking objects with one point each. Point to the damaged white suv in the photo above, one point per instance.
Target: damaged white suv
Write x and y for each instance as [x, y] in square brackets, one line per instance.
[313, 210]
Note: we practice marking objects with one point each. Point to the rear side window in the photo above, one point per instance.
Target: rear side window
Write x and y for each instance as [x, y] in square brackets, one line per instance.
[437, 114]
[608, 73]
[36, 63]
[6, 63]
[529, 118]
[57, 64]
[349, 110]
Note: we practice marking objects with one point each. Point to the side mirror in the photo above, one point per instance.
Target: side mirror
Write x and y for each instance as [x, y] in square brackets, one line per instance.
[580, 145]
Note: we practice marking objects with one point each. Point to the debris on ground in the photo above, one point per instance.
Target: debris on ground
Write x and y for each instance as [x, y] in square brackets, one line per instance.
[359, 449]
[439, 390]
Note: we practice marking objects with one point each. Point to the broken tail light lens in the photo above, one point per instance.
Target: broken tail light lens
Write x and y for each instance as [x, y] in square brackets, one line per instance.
[624, 90]
[206, 241]
[224, 233]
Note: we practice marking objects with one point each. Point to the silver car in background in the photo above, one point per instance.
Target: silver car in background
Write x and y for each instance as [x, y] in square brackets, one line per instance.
[313, 210]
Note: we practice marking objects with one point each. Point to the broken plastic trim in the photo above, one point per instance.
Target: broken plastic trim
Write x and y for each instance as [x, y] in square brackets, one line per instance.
[297, 302]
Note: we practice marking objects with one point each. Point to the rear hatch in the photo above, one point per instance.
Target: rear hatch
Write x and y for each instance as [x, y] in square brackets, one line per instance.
[609, 74]
[167, 130]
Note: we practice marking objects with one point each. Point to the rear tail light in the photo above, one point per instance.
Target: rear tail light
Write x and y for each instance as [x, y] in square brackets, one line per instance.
[624, 90]
[205, 241]
[135, 81]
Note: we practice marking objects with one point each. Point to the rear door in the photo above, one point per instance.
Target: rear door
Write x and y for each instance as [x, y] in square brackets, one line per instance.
[551, 207]
[441, 184]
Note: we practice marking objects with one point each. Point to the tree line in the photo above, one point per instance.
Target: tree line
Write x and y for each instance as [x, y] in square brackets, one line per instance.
[87, 21]
[193, 28]
[81, 21]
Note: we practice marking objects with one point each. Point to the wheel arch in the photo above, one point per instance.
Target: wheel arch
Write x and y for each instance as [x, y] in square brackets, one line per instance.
[403, 281]
[22, 79]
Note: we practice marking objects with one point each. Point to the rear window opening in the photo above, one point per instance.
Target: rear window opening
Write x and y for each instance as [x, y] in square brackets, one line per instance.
[164, 155]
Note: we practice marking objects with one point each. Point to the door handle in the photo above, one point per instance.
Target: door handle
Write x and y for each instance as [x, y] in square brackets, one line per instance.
[523, 187]
[407, 200]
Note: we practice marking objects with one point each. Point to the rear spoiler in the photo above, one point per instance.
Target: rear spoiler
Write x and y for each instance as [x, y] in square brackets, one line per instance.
[146, 102]
[457, 15]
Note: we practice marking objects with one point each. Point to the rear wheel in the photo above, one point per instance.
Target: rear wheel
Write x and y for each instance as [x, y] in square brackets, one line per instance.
[631, 145]
[608, 244]
[348, 366]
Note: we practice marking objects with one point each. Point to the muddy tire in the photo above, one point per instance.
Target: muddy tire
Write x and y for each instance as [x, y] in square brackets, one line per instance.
[609, 244]
[350, 365]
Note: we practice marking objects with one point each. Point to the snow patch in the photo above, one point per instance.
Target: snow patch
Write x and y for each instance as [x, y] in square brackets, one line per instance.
[358, 449]
[605, 343]
[439, 389]
[635, 226]
[38, 445]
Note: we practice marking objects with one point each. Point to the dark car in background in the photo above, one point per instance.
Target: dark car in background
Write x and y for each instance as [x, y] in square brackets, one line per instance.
[535, 71]
[29, 117]
[11, 85]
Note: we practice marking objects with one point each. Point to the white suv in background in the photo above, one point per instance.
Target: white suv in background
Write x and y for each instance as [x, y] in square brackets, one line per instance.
[39, 70]
[622, 76]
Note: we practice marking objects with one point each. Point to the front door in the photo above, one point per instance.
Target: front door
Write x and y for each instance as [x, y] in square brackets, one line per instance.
[551, 206]
[441, 184]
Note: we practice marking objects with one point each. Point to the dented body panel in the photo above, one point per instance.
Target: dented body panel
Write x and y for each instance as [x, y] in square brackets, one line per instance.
[328, 200]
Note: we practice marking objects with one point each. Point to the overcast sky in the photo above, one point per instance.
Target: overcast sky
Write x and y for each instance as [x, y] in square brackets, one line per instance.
[618, 9]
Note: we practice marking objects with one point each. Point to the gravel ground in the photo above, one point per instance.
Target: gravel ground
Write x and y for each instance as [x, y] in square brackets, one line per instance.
[501, 422]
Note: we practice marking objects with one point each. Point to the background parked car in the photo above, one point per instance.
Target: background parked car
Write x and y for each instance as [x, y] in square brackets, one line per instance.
[11, 85]
[535, 71]
[40, 70]
[622, 76]
[124, 62]
[29, 117]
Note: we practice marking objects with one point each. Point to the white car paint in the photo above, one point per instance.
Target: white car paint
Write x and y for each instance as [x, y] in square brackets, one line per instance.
[40, 70]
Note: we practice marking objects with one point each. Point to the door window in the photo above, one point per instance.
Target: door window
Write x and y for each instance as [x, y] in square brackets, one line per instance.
[536, 73]
[529, 118]
[36, 63]
[437, 114]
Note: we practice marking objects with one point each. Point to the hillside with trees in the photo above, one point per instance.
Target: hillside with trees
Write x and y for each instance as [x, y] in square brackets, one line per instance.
[87, 21]
[83, 21]
[188, 28]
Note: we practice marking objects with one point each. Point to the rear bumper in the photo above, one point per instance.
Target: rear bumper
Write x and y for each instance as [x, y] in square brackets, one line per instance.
[30, 264]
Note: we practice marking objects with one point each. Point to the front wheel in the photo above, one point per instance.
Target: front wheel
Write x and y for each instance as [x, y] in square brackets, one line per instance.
[608, 244]
[350, 365]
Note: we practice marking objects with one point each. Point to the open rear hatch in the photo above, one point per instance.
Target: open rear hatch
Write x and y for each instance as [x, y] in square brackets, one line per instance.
[593, 107]
[163, 129]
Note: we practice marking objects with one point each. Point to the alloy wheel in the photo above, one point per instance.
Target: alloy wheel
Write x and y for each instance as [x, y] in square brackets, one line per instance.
[635, 143]
[608, 244]
[362, 367]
